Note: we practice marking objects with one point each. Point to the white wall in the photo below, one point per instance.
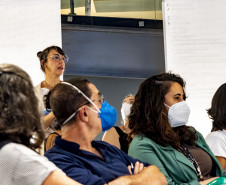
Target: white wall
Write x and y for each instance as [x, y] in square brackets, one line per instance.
[26, 27]
[195, 48]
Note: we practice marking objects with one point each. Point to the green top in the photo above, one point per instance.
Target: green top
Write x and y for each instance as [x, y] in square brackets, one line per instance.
[173, 164]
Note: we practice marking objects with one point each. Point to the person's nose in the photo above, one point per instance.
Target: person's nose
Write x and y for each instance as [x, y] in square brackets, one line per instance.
[61, 60]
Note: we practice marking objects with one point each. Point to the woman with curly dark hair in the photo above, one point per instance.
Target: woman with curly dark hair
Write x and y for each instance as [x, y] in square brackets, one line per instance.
[158, 124]
[21, 132]
[217, 138]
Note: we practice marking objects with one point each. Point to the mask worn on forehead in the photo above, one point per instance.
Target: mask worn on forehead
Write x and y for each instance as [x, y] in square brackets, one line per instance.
[107, 114]
[178, 114]
[125, 110]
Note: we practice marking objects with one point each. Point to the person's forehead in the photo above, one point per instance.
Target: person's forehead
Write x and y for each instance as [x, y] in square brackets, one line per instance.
[93, 89]
[176, 88]
[53, 51]
[128, 99]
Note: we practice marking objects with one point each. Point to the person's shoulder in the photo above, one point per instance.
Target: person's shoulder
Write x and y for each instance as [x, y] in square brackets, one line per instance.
[213, 134]
[102, 143]
[142, 141]
[20, 153]
[200, 139]
[109, 134]
[56, 154]
[112, 130]
[54, 149]
[107, 145]
[142, 138]
[141, 145]
[216, 135]
[197, 133]
[37, 89]
[59, 150]
[17, 149]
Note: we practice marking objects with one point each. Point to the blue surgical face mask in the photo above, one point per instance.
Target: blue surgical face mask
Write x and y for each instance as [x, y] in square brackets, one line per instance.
[107, 114]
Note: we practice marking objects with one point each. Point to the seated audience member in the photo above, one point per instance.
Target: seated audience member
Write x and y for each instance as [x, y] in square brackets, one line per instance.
[81, 110]
[158, 120]
[117, 135]
[217, 138]
[21, 132]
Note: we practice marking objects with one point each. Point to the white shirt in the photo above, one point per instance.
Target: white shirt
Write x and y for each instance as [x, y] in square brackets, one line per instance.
[40, 93]
[217, 143]
[20, 165]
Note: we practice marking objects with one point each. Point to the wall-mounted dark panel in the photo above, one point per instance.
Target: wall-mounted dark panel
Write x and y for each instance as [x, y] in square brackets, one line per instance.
[73, 19]
[113, 52]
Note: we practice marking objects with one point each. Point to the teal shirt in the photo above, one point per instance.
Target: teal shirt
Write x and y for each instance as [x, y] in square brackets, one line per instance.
[173, 164]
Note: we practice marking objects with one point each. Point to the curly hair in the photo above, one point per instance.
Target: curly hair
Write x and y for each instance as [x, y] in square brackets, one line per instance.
[217, 112]
[147, 118]
[20, 119]
[64, 100]
[42, 55]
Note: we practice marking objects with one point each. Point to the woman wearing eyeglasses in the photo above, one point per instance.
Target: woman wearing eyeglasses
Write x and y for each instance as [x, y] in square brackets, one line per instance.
[52, 62]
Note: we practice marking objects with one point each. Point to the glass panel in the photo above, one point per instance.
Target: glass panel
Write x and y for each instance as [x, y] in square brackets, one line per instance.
[138, 9]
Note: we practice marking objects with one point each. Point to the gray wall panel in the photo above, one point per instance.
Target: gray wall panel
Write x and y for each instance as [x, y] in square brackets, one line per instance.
[116, 61]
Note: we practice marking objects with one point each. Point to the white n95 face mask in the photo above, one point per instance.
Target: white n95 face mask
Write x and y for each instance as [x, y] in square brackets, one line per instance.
[178, 114]
[125, 110]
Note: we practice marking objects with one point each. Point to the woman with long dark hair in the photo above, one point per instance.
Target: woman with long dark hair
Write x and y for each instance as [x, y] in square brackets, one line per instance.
[158, 121]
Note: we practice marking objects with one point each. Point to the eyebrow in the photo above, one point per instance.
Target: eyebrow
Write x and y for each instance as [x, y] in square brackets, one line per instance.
[178, 94]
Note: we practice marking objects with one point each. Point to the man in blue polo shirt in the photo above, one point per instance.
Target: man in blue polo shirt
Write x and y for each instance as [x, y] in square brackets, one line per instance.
[80, 109]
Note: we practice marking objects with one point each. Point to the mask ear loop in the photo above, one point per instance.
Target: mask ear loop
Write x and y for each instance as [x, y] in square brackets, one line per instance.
[79, 91]
[166, 105]
[71, 116]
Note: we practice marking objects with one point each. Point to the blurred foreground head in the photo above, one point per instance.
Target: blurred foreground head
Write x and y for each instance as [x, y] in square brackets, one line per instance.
[20, 119]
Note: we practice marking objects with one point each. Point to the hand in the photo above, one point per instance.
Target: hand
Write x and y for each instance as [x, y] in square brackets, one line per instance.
[207, 181]
[151, 175]
[148, 176]
[138, 167]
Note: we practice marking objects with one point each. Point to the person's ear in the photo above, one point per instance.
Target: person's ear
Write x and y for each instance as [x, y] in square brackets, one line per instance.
[43, 64]
[83, 115]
